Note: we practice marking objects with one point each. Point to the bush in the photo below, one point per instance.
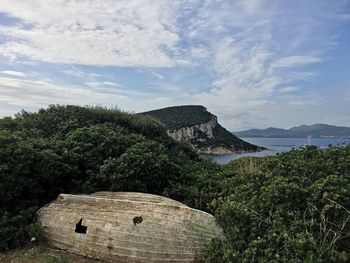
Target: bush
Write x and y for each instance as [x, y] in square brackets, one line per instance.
[144, 167]
[293, 208]
[71, 149]
[16, 230]
[290, 208]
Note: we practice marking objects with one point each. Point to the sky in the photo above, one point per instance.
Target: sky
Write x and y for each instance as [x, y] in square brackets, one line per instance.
[253, 63]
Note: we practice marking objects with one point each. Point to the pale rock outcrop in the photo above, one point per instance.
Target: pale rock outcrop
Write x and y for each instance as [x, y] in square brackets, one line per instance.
[191, 133]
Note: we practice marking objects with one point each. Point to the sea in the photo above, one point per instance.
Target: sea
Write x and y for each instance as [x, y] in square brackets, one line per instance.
[278, 145]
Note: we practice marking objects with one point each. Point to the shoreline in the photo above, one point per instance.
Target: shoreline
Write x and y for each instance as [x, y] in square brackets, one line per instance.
[225, 151]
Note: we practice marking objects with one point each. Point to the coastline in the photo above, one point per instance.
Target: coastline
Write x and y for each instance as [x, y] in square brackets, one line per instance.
[226, 151]
[273, 146]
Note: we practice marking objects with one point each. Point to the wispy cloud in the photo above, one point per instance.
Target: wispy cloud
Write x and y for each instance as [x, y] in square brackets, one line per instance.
[157, 75]
[293, 61]
[342, 17]
[247, 61]
[102, 84]
[288, 89]
[115, 33]
[14, 73]
[76, 72]
[38, 93]
[259, 49]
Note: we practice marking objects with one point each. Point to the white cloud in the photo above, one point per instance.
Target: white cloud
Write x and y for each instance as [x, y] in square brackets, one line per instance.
[301, 102]
[14, 73]
[252, 52]
[292, 61]
[158, 102]
[102, 84]
[199, 53]
[305, 76]
[116, 33]
[17, 94]
[34, 94]
[157, 75]
[288, 89]
[76, 72]
[256, 50]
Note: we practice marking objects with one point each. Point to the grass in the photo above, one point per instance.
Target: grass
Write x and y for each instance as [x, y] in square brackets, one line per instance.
[42, 254]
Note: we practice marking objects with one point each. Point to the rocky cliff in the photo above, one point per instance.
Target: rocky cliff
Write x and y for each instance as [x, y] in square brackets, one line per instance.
[199, 127]
[195, 131]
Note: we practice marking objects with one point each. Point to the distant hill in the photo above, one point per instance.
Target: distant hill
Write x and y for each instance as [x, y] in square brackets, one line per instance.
[194, 124]
[315, 131]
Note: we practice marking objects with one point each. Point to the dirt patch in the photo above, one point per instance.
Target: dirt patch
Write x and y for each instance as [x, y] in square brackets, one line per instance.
[43, 254]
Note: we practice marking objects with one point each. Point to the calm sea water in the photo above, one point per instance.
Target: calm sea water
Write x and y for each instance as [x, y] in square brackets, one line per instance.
[278, 145]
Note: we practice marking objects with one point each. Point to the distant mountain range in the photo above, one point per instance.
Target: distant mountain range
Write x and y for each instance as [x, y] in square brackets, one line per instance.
[315, 131]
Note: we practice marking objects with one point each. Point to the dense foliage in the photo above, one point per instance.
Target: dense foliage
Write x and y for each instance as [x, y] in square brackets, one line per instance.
[70, 149]
[181, 116]
[289, 208]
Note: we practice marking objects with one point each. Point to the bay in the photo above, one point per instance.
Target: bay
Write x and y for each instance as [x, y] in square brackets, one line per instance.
[278, 145]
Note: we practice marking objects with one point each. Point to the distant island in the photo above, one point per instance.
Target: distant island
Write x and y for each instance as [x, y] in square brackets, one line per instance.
[315, 131]
[194, 124]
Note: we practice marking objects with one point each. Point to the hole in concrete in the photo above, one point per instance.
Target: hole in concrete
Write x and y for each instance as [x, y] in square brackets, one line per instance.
[110, 247]
[137, 220]
[79, 228]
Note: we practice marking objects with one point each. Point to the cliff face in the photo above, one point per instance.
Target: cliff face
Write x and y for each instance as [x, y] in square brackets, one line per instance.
[194, 124]
[195, 132]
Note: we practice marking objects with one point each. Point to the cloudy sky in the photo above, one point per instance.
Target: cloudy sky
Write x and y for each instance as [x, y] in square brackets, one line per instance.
[253, 63]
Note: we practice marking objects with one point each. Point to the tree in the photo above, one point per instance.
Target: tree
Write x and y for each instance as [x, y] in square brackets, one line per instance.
[144, 167]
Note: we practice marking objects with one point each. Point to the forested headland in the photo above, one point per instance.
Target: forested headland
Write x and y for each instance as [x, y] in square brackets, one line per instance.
[197, 126]
[293, 207]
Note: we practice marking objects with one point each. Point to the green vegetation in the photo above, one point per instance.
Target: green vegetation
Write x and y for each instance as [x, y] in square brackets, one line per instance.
[70, 149]
[181, 116]
[289, 208]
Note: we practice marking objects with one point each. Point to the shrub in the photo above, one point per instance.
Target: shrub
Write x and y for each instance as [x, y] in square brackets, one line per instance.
[293, 208]
[72, 149]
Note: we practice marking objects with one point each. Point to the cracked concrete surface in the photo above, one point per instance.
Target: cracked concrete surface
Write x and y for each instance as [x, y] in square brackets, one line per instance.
[127, 227]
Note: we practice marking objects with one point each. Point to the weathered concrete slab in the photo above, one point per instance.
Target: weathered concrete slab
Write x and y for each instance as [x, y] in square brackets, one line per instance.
[127, 227]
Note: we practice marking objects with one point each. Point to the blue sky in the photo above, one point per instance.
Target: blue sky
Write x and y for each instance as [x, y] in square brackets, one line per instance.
[253, 63]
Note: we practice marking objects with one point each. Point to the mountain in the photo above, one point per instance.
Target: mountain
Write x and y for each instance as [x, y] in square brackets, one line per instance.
[194, 124]
[316, 131]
